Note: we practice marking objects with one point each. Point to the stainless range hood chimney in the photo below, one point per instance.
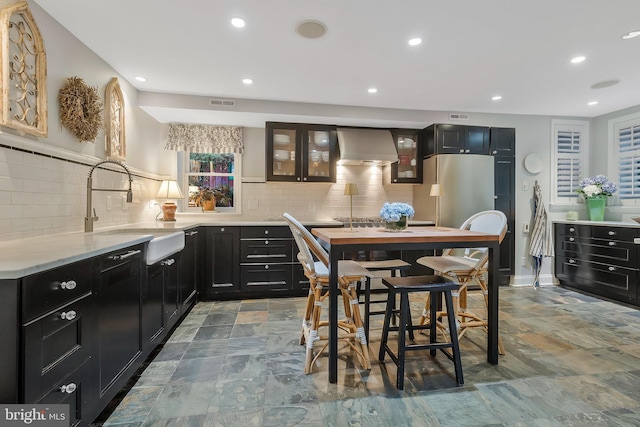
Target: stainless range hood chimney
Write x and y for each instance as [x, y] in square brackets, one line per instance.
[359, 146]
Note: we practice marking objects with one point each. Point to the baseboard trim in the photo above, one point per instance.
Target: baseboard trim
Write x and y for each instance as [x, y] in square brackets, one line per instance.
[527, 280]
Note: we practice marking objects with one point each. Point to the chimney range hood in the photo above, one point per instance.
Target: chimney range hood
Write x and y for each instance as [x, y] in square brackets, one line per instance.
[358, 145]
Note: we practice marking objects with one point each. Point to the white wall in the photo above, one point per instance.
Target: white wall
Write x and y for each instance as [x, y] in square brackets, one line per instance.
[43, 180]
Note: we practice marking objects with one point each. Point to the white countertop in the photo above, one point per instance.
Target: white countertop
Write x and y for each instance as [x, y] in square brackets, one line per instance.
[19, 258]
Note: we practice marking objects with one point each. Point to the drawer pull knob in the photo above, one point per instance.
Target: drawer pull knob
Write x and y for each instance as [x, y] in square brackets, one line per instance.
[192, 233]
[612, 268]
[571, 230]
[571, 239]
[612, 243]
[572, 261]
[266, 242]
[69, 388]
[266, 231]
[612, 233]
[266, 267]
[169, 261]
[71, 284]
[68, 315]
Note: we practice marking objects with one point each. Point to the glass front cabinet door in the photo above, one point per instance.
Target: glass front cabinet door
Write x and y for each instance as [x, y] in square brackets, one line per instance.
[300, 152]
[408, 169]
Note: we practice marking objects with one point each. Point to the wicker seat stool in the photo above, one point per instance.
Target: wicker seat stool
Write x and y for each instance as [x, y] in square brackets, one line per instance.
[403, 286]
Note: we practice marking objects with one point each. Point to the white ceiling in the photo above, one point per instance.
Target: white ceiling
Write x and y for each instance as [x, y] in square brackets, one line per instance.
[471, 51]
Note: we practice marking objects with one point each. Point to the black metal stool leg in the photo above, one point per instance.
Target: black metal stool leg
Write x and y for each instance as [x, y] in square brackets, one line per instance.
[385, 327]
[433, 325]
[404, 307]
[453, 333]
[367, 303]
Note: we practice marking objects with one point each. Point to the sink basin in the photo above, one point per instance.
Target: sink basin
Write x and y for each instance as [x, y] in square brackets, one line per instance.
[163, 244]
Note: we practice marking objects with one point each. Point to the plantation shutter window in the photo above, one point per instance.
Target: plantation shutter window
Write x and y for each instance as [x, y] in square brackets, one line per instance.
[570, 146]
[628, 148]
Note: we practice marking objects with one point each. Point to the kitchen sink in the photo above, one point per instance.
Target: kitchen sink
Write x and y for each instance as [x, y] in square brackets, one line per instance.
[163, 244]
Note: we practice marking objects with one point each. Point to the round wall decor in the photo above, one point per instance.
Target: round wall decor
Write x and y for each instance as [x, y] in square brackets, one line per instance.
[533, 163]
[80, 109]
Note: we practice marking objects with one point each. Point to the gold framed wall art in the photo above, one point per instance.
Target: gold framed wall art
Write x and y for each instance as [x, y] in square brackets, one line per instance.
[23, 71]
[114, 130]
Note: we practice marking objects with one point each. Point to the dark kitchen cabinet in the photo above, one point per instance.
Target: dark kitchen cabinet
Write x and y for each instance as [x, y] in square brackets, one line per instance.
[456, 139]
[266, 259]
[503, 142]
[119, 346]
[505, 201]
[222, 260]
[408, 169]
[59, 320]
[190, 270]
[300, 152]
[599, 259]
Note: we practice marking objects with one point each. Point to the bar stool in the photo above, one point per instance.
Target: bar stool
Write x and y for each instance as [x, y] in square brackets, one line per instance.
[395, 267]
[434, 285]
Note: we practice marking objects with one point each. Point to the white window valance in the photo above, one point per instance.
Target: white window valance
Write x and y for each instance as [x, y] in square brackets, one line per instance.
[205, 138]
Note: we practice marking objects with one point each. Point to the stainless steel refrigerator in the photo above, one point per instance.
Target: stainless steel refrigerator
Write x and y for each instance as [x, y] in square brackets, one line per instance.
[466, 184]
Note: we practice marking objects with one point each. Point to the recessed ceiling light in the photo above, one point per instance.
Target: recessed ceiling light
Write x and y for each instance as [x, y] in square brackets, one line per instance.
[631, 34]
[238, 22]
[415, 41]
[578, 59]
[247, 81]
[496, 98]
[592, 103]
[372, 90]
[140, 79]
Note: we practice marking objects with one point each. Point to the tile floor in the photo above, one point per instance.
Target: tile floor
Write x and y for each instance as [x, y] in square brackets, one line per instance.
[571, 360]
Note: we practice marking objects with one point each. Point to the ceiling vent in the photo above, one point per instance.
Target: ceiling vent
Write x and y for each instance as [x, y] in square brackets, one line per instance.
[228, 103]
[458, 116]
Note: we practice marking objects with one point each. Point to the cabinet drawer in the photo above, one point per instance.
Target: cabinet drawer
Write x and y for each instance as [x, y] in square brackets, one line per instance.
[265, 276]
[73, 390]
[45, 291]
[265, 250]
[606, 280]
[599, 250]
[261, 232]
[55, 345]
[598, 232]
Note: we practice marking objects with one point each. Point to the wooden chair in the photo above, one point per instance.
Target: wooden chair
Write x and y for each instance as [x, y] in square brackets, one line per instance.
[351, 328]
[468, 267]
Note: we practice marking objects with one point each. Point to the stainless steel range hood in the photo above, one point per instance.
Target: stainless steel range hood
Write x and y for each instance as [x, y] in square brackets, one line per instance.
[359, 146]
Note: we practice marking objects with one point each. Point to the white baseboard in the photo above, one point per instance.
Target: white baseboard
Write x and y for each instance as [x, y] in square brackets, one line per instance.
[522, 281]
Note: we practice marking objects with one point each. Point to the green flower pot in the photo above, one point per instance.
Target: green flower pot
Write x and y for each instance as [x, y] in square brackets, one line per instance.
[595, 207]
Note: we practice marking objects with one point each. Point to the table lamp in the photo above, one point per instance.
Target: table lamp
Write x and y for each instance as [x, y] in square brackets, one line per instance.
[351, 190]
[436, 191]
[169, 189]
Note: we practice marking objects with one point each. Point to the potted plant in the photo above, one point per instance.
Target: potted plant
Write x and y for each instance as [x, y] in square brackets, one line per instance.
[206, 198]
[595, 190]
[396, 215]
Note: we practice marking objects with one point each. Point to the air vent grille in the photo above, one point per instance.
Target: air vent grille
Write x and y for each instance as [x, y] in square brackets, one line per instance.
[458, 116]
[228, 103]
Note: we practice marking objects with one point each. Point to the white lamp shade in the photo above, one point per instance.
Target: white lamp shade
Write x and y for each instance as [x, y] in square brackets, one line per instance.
[436, 191]
[169, 190]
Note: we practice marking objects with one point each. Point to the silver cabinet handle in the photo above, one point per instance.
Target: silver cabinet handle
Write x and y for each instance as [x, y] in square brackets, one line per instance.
[612, 233]
[572, 261]
[571, 230]
[571, 239]
[298, 178]
[462, 150]
[68, 315]
[467, 150]
[191, 233]
[266, 267]
[71, 284]
[612, 268]
[495, 197]
[612, 243]
[169, 261]
[129, 254]
[266, 242]
[266, 231]
[69, 388]
[495, 151]
[222, 229]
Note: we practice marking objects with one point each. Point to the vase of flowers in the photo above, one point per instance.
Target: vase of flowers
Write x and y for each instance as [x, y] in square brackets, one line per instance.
[595, 191]
[396, 215]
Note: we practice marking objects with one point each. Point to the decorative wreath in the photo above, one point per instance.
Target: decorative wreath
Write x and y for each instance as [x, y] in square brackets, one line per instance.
[80, 109]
